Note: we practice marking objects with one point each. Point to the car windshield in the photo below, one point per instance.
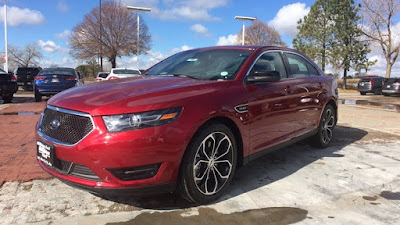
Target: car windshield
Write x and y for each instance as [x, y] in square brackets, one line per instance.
[392, 80]
[204, 64]
[58, 71]
[125, 71]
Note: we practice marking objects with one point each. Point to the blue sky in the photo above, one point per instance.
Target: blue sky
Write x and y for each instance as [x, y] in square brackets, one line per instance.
[175, 25]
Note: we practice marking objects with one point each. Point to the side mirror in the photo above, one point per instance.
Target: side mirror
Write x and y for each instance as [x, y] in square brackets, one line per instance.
[263, 76]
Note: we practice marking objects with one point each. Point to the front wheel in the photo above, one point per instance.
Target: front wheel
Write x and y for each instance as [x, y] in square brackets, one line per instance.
[363, 93]
[208, 164]
[325, 129]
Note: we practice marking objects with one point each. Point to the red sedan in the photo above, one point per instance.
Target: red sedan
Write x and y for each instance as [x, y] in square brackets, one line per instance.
[187, 123]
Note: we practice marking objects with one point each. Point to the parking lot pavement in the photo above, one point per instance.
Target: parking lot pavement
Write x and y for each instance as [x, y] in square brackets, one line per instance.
[354, 181]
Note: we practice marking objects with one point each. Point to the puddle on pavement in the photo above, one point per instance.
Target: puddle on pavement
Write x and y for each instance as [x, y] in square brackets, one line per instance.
[270, 216]
[390, 195]
[19, 114]
[393, 107]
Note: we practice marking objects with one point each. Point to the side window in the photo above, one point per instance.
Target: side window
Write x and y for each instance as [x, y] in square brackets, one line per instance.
[299, 67]
[270, 61]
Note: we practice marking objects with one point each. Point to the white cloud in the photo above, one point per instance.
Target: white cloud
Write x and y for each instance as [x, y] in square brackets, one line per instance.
[49, 46]
[64, 34]
[230, 40]
[62, 6]
[17, 16]
[180, 49]
[201, 30]
[180, 10]
[285, 21]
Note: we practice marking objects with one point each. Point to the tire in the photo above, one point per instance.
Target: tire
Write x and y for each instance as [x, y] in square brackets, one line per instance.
[7, 98]
[325, 129]
[38, 96]
[363, 93]
[378, 92]
[386, 95]
[205, 173]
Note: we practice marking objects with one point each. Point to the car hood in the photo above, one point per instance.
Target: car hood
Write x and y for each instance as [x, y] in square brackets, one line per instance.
[131, 95]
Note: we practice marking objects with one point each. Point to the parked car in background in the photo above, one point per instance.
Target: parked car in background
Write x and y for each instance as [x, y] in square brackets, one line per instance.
[118, 73]
[25, 76]
[8, 86]
[51, 81]
[101, 76]
[370, 84]
[391, 86]
[188, 123]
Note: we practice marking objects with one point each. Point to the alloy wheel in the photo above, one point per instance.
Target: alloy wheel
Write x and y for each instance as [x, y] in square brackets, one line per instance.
[213, 163]
[328, 123]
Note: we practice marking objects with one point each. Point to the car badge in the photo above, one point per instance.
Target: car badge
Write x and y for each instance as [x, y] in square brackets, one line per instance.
[54, 124]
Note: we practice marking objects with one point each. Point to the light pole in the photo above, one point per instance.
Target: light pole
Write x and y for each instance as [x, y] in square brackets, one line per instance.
[5, 37]
[244, 18]
[101, 42]
[138, 9]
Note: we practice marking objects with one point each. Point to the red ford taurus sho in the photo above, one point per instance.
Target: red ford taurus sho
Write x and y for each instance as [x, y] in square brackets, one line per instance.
[187, 123]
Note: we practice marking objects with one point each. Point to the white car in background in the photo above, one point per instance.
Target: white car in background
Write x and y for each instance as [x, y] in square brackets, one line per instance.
[118, 73]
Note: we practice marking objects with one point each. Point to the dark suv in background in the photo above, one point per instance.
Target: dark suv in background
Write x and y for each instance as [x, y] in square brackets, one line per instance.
[25, 76]
[370, 84]
[8, 86]
[391, 86]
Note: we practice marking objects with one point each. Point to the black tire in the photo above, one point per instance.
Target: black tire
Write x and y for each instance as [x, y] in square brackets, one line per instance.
[198, 160]
[38, 96]
[363, 93]
[386, 95]
[7, 98]
[325, 129]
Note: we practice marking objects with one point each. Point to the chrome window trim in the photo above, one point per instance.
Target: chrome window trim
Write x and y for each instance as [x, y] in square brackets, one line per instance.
[258, 57]
[67, 111]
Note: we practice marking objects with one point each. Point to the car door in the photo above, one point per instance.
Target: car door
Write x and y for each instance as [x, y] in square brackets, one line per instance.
[270, 104]
[307, 90]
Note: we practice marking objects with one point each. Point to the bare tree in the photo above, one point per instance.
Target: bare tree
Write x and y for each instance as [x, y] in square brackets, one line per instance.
[118, 34]
[378, 16]
[259, 33]
[26, 56]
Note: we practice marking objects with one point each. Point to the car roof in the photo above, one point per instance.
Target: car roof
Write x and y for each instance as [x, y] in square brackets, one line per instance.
[248, 47]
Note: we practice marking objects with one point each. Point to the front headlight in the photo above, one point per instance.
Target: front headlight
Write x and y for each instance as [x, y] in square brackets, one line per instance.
[116, 123]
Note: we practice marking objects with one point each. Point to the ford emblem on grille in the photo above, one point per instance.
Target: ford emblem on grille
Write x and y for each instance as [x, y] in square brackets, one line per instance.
[54, 124]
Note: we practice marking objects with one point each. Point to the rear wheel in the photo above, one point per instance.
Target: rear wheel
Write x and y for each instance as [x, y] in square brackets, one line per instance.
[363, 93]
[7, 98]
[208, 164]
[325, 129]
[38, 96]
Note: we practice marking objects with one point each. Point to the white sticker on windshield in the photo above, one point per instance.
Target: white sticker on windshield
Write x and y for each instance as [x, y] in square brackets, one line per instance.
[224, 73]
[191, 60]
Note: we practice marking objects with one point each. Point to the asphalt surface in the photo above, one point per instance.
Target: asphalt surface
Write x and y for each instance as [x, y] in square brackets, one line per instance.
[354, 181]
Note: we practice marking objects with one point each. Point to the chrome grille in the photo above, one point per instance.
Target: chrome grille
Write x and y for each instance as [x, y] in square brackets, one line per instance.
[72, 126]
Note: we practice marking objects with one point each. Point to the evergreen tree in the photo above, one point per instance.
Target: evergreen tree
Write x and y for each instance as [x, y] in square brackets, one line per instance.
[315, 33]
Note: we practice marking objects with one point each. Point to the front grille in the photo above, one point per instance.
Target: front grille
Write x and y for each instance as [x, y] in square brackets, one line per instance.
[84, 172]
[71, 127]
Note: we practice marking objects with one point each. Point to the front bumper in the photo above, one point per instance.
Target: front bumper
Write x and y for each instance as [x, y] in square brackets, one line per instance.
[101, 151]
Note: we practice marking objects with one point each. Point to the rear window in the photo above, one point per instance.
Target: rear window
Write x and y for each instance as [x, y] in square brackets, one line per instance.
[126, 72]
[392, 80]
[102, 75]
[368, 79]
[57, 71]
[21, 71]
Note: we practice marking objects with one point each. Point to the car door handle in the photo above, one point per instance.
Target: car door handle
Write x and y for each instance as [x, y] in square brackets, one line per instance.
[287, 89]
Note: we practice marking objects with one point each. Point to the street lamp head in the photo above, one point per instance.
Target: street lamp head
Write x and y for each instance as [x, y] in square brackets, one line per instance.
[139, 8]
[244, 18]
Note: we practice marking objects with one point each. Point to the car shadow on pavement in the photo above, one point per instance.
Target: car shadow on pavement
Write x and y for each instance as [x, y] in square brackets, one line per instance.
[258, 173]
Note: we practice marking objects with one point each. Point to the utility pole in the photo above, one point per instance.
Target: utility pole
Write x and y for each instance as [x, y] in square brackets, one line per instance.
[138, 9]
[101, 43]
[5, 37]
